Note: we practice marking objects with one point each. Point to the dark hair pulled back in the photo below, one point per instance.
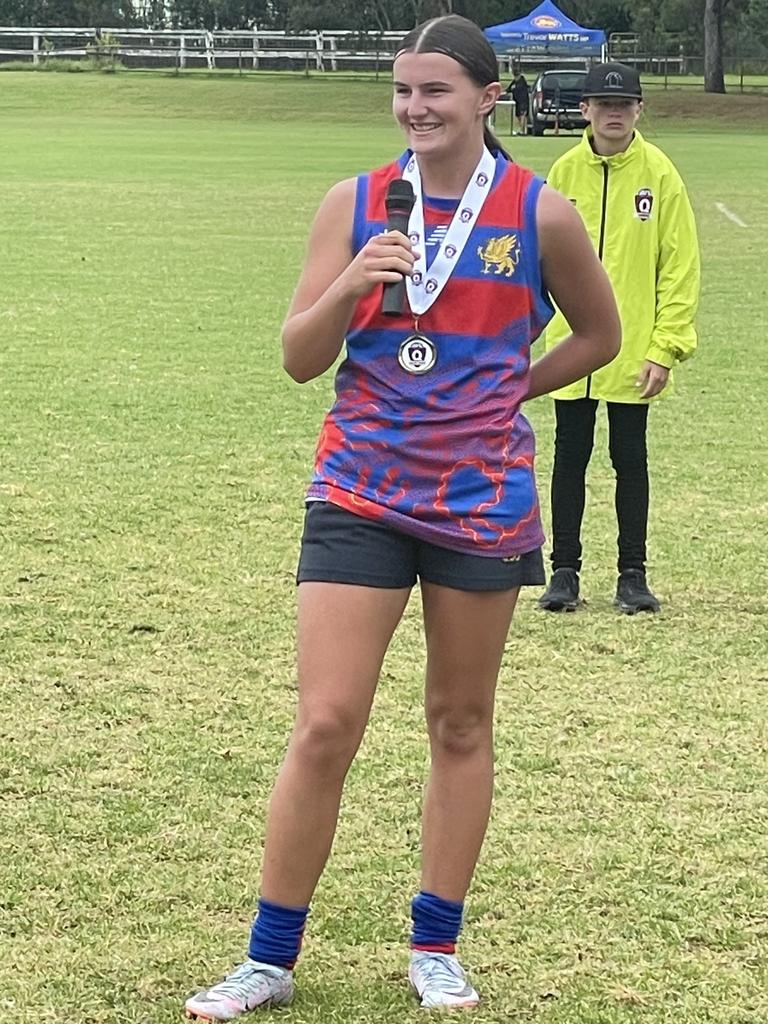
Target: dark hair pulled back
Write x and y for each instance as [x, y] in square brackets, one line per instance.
[464, 41]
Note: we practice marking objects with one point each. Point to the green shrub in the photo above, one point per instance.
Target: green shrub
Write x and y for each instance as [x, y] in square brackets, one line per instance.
[103, 53]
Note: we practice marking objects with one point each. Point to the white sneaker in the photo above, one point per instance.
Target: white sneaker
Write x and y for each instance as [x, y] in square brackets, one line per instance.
[251, 986]
[439, 981]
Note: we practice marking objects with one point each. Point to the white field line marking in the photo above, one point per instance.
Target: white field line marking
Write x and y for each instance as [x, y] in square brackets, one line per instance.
[731, 216]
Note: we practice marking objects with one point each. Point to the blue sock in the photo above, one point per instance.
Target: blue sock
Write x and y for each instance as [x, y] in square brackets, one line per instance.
[436, 923]
[277, 933]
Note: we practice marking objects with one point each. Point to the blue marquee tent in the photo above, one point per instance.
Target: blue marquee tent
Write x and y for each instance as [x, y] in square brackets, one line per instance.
[546, 30]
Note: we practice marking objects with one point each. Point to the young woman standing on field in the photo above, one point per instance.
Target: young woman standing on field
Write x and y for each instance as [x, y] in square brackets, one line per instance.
[424, 470]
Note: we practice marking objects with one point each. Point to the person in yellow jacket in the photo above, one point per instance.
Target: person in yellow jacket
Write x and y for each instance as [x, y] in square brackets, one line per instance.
[637, 212]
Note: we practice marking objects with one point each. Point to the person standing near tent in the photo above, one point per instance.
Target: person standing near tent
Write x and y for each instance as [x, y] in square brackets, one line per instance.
[423, 471]
[518, 89]
[637, 212]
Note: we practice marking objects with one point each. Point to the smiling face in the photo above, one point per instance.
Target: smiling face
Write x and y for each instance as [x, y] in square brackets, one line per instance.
[613, 121]
[437, 104]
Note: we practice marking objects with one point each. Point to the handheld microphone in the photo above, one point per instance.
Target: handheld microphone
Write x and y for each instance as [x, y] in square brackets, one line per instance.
[399, 203]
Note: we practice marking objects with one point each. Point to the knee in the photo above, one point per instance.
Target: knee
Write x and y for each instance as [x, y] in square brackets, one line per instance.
[460, 732]
[326, 740]
[629, 458]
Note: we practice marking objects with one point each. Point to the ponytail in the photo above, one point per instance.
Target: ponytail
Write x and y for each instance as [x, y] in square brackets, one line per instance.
[492, 143]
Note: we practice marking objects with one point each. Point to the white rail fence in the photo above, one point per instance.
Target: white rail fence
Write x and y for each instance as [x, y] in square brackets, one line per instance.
[246, 49]
[313, 52]
[182, 48]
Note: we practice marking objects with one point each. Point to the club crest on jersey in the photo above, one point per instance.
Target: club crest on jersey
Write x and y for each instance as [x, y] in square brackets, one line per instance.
[502, 252]
[643, 204]
[417, 354]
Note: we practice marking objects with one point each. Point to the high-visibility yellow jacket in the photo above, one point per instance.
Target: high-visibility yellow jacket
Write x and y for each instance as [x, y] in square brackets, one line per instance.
[638, 215]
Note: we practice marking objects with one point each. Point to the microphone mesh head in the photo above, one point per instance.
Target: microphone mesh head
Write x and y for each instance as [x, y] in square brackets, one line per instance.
[399, 196]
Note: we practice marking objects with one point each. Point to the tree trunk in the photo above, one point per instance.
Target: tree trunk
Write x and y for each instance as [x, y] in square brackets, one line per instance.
[381, 15]
[437, 8]
[714, 80]
[416, 9]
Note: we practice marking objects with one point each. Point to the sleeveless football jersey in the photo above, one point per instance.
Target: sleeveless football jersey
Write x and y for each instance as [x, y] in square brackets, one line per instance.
[445, 455]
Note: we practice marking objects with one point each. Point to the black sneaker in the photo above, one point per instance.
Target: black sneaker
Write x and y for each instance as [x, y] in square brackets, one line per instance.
[633, 595]
[562, 594]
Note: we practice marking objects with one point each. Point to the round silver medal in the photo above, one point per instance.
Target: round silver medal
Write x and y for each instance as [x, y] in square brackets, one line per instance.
[417, 354]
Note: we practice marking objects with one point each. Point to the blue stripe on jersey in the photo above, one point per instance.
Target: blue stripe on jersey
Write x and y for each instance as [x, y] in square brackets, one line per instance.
[543, 306]
[359, 234]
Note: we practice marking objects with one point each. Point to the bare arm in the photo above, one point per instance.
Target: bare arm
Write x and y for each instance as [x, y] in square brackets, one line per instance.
[332, 281]
[575, 279]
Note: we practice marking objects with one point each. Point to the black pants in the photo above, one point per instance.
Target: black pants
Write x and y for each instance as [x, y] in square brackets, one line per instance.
[574, 439]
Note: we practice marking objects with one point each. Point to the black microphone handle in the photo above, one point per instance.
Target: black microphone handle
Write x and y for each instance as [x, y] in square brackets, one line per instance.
[393, 300]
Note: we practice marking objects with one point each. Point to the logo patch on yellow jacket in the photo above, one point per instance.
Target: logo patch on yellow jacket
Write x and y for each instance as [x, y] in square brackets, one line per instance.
[643, 204]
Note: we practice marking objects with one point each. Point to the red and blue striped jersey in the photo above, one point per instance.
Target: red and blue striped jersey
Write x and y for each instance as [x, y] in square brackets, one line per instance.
[445, 456]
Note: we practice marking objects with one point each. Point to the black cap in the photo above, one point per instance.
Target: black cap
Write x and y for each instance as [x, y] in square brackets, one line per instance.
[612, 80]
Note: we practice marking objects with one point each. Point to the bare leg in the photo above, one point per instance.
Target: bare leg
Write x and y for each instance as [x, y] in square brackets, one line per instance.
[343, 634]
[465, 642]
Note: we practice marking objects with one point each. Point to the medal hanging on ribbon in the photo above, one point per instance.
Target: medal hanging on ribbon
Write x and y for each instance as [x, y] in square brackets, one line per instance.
[425, 284]
[418, 353]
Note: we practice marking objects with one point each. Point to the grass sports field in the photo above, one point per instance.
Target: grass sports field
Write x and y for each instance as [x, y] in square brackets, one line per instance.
[152, 464]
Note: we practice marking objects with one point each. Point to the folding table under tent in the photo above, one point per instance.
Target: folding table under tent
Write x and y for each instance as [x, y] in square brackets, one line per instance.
[546, 31]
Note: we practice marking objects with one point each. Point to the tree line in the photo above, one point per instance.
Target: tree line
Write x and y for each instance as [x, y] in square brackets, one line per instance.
[652, 20]
[662, 26]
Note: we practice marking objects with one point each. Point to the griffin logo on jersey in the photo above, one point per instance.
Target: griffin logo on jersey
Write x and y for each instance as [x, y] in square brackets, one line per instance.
[502, 252]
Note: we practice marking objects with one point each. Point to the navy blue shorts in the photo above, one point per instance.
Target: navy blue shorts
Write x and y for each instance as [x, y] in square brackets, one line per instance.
[340, 547]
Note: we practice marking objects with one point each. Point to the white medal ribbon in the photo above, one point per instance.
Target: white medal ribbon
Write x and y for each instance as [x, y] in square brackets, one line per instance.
[424, 286]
